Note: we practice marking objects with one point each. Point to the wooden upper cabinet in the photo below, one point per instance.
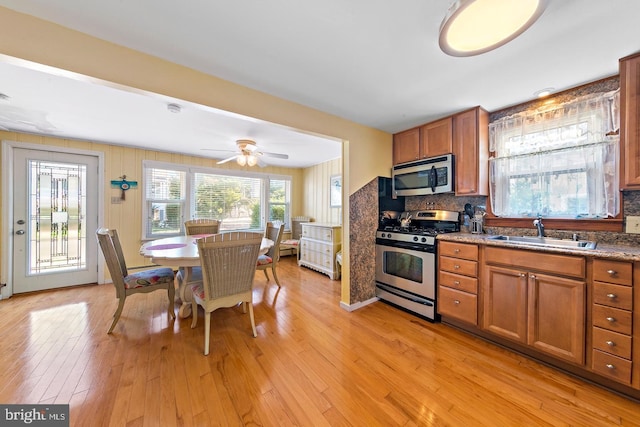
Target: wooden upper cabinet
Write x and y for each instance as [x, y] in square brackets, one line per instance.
[436, 138]
[471, 151]
[630, 122]
[406, 146]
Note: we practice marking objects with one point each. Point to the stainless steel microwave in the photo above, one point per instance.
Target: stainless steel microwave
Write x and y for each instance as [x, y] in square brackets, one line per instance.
[422, 177]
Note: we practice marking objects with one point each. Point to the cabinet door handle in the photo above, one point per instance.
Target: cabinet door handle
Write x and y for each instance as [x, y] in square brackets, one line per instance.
[612, 272]
[522, 275]
[611, 296]
[532, 276]
[611, 319]
[610, 343]
[610, 366]
[456, 302]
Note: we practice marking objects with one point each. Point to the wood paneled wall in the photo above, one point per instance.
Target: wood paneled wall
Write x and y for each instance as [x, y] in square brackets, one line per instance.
[316, 192]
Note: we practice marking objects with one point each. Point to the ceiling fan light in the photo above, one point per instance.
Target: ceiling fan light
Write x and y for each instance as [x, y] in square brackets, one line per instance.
[472, 27]
[252, 160]
[241, 159]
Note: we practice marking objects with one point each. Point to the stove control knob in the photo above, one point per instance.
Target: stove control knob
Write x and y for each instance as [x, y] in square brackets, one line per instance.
[415, 238]
[423, 240]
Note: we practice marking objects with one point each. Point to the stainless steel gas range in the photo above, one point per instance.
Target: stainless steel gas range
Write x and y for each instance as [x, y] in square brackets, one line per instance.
[406, 260]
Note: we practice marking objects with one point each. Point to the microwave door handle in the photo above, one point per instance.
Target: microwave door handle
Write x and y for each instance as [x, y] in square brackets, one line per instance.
[433, 179]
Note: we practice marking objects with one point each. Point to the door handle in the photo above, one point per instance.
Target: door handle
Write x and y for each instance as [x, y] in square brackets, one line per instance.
[21, 232]
[20, 221]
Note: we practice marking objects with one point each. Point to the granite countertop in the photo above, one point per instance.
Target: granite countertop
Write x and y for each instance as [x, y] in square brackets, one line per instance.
[619, 252]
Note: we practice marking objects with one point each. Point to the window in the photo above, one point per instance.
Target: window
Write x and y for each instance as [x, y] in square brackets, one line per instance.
[241, 200]
[559, 163]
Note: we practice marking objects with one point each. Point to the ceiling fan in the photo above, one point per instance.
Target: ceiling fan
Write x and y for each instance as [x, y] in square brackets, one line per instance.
[249, 154]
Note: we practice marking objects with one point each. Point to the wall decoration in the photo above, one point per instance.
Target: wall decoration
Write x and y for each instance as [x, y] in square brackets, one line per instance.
[335, 191]
[123, 185]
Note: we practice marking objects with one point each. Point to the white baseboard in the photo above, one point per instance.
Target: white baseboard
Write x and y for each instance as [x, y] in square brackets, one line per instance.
[352, 307]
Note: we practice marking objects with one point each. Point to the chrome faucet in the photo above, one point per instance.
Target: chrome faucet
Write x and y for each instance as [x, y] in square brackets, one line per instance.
[539, 225]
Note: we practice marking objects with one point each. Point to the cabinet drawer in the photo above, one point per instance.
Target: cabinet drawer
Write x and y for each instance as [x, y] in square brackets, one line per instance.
[458, 304]
[317, 258]
[314, 246]
[456, 281]
[325, 234]
[620, 272]
[612, 319]
[612, 366]
[459, 266]
[458, 250]
[613, 295]
[612, 342]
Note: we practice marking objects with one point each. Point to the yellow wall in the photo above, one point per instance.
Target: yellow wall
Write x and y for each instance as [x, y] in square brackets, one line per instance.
[40, 42]
[316, 202]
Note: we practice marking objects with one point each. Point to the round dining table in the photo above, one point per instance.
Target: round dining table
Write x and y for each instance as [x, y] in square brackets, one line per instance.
[182, 251]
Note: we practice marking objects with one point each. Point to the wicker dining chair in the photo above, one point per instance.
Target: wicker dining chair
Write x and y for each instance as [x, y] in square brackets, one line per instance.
[194, 227]
[202, 226]
[126, 283]
[228, 263]
[271, 258]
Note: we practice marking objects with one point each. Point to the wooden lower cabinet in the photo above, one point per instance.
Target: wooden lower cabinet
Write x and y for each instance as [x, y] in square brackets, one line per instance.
[556, 310]
[541, 310]
[505, 303]
[577, 312]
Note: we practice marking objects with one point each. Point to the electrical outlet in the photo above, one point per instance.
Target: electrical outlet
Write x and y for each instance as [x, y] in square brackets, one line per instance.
[633, 224]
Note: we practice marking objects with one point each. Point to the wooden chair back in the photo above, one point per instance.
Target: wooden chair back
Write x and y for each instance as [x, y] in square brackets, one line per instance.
[114, 257]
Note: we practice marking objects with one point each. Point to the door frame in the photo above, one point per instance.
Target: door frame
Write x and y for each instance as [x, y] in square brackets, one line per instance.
[6, 259]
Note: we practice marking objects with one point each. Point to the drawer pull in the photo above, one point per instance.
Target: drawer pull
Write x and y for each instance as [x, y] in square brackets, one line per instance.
[610, 343]
[456, 302]
[456, 266]
[456, 282]
[612, 272]
[610, 366]
[456, 251]
[612, 296]
[611, 319]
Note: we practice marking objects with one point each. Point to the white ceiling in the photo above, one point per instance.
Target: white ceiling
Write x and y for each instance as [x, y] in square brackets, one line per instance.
[375, 62]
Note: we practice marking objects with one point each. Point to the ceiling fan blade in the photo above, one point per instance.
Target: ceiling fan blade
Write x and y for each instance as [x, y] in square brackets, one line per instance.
[276, 155]
[261, 163]
[221, 151]
[228, 159]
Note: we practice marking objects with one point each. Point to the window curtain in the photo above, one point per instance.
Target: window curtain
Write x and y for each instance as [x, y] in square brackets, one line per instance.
[557, 161]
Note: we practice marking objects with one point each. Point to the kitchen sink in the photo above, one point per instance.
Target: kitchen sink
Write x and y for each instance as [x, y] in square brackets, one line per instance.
[546, 241]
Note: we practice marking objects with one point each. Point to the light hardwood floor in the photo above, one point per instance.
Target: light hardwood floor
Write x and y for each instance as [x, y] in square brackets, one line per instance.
[313, 364]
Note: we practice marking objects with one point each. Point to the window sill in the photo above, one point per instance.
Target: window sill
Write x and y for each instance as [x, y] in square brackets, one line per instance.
[613, 224]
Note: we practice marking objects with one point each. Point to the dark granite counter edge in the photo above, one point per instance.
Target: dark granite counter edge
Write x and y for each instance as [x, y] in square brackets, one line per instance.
[618, 252]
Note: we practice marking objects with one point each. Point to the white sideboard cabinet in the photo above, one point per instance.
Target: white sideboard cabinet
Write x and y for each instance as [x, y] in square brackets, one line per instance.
[319, 245]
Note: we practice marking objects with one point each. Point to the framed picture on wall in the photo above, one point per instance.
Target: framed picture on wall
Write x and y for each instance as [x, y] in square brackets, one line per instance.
[335, 191]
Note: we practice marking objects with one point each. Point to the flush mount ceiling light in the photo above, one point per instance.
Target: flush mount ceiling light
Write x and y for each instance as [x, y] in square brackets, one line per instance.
[472, 27]
[543, 92]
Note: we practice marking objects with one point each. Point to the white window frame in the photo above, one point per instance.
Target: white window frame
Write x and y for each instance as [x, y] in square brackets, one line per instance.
[188, 202]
